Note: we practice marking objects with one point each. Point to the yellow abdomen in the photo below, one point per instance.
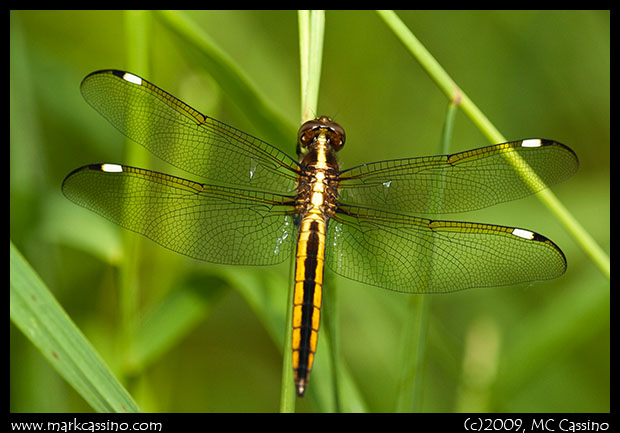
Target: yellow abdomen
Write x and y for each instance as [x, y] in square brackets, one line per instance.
[310, 259]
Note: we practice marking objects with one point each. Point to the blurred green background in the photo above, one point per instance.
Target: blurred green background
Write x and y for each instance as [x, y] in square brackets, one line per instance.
[539, 347]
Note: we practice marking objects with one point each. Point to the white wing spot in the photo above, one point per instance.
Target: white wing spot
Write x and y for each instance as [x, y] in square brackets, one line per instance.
[534, 142]
[525, 234]
[112, 168]
[132, 78]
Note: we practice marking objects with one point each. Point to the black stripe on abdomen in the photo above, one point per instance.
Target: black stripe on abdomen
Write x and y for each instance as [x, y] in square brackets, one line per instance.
[307, 298]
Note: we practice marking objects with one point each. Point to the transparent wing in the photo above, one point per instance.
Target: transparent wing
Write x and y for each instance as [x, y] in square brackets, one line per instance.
[460, 182]
[417, 255]
[185, 138]
[211, 223]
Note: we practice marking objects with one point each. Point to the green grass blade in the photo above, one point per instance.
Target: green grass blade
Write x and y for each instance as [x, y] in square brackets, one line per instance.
[311, 27]
[412, 351]
[413, 347]
[35, 311]
[311, 31]
[137, 34]
[331, 384]
[136, 25]
[449, 87]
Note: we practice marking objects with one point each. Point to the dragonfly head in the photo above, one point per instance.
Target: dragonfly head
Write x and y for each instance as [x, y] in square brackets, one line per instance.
[312, 129]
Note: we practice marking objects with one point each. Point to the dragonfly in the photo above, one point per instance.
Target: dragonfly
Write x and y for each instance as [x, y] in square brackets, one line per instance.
[260, 205]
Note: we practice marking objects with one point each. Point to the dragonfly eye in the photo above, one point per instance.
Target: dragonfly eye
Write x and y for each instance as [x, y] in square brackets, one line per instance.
[307, 132]
[310, 129]
[336, 136]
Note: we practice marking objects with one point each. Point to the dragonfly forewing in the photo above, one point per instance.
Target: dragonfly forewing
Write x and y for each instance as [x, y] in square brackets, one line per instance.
[184, 137]
[460, 182]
